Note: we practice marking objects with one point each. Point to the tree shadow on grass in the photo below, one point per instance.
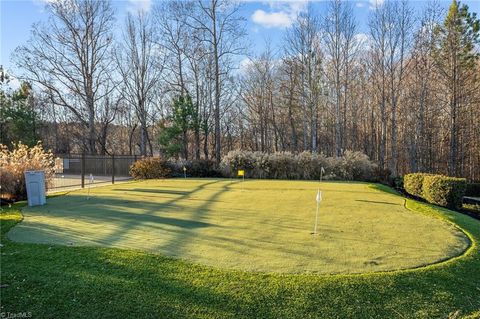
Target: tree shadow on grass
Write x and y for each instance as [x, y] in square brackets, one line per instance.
[109, 210]
[155, 207]
[376, 202]
[155, 191]
[179, 242]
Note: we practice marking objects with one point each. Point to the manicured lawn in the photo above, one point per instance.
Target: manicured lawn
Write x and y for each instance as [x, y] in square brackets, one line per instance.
[54, 281]
[257, 226]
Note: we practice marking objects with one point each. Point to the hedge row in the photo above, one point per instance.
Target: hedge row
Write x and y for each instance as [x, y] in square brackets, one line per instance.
[413, 183]
[436, 189]
[473, 190]
[305, 165]
[281, 165]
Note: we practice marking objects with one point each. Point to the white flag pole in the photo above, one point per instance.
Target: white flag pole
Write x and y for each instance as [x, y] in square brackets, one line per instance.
[318, 199]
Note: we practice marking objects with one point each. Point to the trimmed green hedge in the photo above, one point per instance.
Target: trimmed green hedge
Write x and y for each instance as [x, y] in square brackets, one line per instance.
[473, 189]
[436, 189]
[413, 183]
[444, 191]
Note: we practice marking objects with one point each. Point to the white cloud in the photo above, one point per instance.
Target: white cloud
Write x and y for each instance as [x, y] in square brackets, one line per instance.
[362, 37]
[245, 64]
[41, 4]
[281, 14]
[134, 6]
[376, 3]
[363, 40]
[272, 20]
[360, 4]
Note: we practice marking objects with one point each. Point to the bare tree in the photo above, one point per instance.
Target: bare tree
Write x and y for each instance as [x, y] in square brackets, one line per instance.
[258, 90]
[222, 29]
[390, 27]
[341, 45]
[70, 57]
[139, 67]
[302, 43]
[422, 89]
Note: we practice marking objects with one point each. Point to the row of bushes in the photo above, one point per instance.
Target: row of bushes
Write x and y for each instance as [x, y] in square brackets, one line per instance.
[306, 165]
[436, 189]
[281, 165]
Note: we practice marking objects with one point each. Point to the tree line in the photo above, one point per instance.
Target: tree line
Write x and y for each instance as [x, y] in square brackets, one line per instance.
[176, 82]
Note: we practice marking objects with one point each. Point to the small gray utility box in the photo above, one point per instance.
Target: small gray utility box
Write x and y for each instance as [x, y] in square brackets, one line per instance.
[35, 182]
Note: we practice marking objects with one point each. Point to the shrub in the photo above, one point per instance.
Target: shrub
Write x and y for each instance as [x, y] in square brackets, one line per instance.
[195, 168]
[356, 166]
[202, 168]
[413, 183]
[283, 165]
[310, 164]
[473, 189]
[262, 165]
[236, 160]
[444, 191]
[150, 167]
[397, 182]
[334, 170]
[21, 158]
[383, 175]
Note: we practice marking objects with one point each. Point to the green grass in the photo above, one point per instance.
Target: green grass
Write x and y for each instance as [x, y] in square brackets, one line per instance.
[256, 226]
[472, 208]
[83, 282]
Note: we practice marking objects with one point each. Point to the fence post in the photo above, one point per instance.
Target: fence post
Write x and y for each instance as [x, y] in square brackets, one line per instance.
[82, 168]
[113, 168]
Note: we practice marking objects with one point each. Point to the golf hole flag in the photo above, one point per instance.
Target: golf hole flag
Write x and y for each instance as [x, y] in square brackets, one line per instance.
[241, 172]
[318, 199]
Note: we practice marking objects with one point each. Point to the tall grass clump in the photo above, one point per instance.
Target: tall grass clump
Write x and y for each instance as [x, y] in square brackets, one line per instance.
[15, 162]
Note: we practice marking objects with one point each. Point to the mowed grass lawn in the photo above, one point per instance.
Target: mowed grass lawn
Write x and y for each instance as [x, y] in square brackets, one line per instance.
[240, 250]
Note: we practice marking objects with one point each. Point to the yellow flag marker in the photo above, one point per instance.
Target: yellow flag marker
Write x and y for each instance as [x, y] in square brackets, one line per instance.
[241, 173]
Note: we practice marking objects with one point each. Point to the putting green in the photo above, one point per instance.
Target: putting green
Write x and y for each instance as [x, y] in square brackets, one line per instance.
[257, 225]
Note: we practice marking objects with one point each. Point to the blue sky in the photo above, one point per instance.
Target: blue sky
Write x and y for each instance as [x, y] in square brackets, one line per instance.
[266, 20]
